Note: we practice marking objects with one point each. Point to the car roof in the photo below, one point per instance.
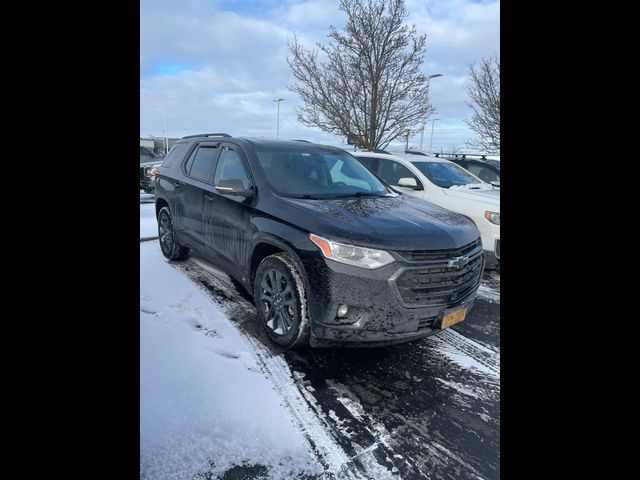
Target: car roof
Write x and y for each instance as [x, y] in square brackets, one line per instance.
[401, 156]
[486, 161]
[260, 142]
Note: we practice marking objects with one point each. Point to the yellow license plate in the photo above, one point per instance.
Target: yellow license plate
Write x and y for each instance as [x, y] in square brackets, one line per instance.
[454, 317]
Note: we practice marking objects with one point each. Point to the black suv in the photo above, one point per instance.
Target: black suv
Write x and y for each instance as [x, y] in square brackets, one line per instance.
[331, 254]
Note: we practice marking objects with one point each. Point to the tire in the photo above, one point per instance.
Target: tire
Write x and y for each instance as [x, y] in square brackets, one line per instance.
[169, 245]
[281, 301]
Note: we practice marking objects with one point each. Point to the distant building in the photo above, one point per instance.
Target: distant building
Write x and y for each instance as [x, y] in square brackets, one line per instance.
[156, 144]
[147, 143]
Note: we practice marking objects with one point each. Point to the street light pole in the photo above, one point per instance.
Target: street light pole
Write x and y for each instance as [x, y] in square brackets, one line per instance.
[424, 124]
[431, 141]
[166, 135]
[278, 100]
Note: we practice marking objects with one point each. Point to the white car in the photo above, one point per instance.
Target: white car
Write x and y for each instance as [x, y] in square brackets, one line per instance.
[446, 184]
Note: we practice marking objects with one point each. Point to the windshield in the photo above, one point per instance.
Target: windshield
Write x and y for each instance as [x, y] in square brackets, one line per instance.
[316, 173]
[446, 175]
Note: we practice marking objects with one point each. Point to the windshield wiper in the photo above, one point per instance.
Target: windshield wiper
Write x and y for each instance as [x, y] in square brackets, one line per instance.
[358, 195]
[305, 196]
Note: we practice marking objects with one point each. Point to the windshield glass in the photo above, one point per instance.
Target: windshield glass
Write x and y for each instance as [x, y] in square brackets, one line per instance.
[316, 173]
[446, 175]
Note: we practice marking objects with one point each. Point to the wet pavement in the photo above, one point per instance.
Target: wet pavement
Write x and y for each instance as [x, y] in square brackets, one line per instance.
[428, 409]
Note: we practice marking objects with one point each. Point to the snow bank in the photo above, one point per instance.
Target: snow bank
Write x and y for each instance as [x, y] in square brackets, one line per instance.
[148, 222]
[204, 404]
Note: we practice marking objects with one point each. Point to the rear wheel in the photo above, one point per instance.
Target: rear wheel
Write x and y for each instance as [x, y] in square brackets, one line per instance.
[167, 237]
[281, 301]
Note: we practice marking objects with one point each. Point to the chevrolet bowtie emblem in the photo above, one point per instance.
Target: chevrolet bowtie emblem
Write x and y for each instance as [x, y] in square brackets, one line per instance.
[458, 262]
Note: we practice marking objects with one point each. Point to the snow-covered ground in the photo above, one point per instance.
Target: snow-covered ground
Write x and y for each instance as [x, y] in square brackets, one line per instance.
[205, 405]
[148, 222]
[146, 197]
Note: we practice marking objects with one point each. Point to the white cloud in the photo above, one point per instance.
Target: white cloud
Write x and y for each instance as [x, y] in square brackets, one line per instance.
[227, 66]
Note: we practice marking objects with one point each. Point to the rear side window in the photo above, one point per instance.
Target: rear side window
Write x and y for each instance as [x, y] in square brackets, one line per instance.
[204, 163]
[370, 162]
[177, 152]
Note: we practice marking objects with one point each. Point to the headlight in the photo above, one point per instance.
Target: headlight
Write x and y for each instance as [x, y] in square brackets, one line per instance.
[493, 217]
[350, 254]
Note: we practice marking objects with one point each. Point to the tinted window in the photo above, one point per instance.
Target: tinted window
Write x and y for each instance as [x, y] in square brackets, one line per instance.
[231, 172]
[203, 164]
[177, 152]
[446, 175]
[317, 173]
[370, 162]
[483, 173]
[391, 172]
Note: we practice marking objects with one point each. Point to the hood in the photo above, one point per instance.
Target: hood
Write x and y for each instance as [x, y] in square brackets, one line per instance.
[475, 192]
[390, 223]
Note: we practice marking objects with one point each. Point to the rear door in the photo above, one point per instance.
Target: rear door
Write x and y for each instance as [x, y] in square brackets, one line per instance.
[227, 216]
[190, 193]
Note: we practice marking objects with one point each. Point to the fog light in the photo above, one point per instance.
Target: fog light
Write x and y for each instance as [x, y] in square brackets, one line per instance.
[343, 310]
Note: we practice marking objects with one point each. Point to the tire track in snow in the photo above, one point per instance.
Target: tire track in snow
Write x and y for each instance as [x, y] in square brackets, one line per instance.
[467, 352]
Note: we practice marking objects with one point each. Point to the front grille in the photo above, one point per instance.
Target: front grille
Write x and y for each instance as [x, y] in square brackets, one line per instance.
[430, 255]
[439, 284]
[498, 249]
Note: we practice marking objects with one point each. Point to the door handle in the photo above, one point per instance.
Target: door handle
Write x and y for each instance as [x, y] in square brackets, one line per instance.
[209, 199]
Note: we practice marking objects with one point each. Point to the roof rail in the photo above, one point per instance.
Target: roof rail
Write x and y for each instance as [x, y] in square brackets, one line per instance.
[209, 135]
[483, 156]
[305, 141]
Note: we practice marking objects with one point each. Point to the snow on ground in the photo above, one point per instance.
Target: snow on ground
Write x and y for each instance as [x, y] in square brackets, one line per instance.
[148, 222]
[146, 197]
[205, 406]
[489, 293]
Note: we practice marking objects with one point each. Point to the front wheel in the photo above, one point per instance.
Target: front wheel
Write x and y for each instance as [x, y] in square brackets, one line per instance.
[281, 301]
[169, 245]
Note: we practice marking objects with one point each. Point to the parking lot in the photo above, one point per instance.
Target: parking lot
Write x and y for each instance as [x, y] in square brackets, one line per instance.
[427, 409]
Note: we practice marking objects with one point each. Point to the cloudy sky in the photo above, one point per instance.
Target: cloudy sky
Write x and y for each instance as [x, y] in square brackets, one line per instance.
[216, 65]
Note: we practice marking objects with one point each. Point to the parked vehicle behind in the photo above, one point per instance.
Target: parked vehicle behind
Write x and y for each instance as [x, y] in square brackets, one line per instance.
[148, 162]
[485, 169]
[445, 184]
[330, 254]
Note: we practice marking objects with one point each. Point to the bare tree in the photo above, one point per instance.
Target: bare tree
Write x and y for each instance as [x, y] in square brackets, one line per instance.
[369, 82]
[484, 100]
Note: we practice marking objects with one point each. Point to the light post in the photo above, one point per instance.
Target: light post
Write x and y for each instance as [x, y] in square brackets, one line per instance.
[431, 141]
[166, 135]
[278, 100]
[424, 124]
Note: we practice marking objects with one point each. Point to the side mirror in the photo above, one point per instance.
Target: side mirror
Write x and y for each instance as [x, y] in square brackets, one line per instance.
[233, 187]
[408, 182]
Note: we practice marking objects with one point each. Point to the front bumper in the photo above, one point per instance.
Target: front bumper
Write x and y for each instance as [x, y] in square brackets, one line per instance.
[378, 315]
